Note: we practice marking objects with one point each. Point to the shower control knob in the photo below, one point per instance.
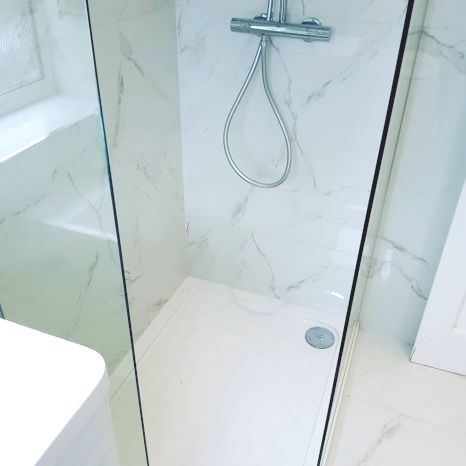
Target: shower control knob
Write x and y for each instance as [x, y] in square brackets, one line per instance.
[312, 21]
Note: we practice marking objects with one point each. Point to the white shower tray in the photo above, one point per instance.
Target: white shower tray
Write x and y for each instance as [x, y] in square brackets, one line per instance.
[227, 378]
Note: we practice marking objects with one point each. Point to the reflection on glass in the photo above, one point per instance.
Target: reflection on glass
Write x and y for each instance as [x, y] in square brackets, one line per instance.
[60, 269]
[409, 52]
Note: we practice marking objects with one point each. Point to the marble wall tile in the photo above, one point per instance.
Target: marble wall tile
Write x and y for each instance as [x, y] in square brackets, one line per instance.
[136, 61]
[65, 50]
[299, 241]
[426, 180]
[378, 11]
[60, 269]
[105, 12]
[446, 14]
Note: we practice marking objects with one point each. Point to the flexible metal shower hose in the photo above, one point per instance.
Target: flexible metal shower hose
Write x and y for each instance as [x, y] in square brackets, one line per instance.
[260, 54]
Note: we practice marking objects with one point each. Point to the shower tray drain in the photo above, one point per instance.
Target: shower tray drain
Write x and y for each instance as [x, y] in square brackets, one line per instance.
[320, 337]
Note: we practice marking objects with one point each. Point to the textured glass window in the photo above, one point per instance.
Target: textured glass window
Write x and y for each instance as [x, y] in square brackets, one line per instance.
[19, 54]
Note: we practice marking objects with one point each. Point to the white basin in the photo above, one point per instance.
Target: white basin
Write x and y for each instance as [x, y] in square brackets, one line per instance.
[53, 402]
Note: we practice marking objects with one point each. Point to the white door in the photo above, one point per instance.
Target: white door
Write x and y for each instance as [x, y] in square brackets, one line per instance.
[441, 340]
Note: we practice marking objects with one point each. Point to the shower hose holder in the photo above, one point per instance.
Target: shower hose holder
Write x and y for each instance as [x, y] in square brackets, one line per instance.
[309, 30]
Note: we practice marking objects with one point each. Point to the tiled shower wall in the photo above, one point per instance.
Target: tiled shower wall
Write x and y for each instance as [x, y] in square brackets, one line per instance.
[135, 44]
[159, 63]
[297, 242]
[427, 177]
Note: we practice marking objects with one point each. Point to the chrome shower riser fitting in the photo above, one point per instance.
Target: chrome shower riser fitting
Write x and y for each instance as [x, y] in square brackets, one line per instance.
[306, 31]
[264, 25]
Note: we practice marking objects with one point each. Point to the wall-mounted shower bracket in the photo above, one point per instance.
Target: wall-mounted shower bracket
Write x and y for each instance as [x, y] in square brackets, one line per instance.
[310, 30]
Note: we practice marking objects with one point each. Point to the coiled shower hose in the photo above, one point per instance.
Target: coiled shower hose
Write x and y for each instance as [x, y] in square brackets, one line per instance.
[261, 54]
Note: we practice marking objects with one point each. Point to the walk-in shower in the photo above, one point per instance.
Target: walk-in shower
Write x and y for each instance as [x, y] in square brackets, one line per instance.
[235, 297]
[265, 26]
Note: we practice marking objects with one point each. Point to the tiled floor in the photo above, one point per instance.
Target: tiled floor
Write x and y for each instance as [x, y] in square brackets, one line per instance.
[396, 413]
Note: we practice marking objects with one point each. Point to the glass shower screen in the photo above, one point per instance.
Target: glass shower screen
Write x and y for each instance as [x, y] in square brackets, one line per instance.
[60, 266]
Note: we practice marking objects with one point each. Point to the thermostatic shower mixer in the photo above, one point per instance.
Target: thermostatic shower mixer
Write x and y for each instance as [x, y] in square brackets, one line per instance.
[311, 29]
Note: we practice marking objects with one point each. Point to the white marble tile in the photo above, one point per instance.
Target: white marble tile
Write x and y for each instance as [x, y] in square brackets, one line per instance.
[313, 229]
[398, 288]
[446, 14]
[52, 25]
[60, 268]
[379, 11]
[395, 412]
[257, 262]
[105, 12]
[373, 436]
[382, 374]
[138, 77]
[427, 177]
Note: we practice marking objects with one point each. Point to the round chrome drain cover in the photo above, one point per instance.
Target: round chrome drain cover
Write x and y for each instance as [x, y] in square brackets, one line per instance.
[320, 337]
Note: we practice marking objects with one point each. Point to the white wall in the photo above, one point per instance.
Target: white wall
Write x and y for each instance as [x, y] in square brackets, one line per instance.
[297, 242]
[426, 180]
[441, 339]
[135, 45]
